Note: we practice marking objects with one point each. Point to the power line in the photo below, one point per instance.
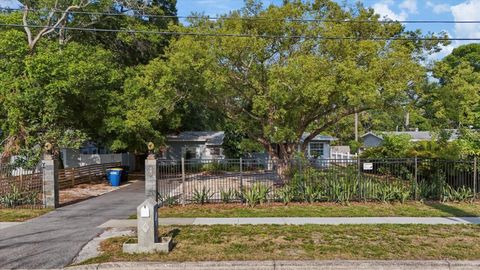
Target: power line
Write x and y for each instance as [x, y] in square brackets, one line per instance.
[125, 13]
[131, 31]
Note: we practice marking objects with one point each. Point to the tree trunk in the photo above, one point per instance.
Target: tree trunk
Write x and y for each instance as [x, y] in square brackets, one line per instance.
[282, 156]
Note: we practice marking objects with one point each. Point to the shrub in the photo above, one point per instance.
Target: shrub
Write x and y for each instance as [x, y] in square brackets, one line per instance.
[256, 194]
[227, 196]
[16, 197]
[202, 196]
[168, 200]
[285, 194]
[462, 194]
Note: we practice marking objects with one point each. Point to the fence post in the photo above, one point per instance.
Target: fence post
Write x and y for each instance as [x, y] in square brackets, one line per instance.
[151, 183]
[183, 181]
[73, 177]
[362, 195]
[415, 179]
[89, 174]
[50, 182]
[474, 177]
[241, 176]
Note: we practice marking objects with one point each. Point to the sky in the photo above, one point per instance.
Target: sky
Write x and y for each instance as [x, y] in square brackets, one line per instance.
[454, 10]
[458, 10]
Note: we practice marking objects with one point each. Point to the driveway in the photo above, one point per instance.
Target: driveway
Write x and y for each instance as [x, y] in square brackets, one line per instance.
[53, 240]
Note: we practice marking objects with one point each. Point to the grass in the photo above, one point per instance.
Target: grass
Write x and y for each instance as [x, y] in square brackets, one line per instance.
[356, 242]
[411, 209]
[18, 215]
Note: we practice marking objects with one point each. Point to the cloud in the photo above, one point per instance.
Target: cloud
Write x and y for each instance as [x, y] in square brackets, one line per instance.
[383, 9]
[409, 5]
[438, 8]
[467, 11]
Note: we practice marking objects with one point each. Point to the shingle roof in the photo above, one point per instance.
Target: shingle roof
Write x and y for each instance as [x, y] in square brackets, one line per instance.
[209, 137]
[318, 137]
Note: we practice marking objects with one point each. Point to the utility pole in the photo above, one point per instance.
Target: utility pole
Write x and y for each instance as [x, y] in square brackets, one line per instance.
[356, 126]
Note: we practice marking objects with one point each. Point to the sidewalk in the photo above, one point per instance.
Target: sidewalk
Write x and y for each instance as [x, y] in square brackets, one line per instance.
[291, 265]
[127, 223]
[4, 225]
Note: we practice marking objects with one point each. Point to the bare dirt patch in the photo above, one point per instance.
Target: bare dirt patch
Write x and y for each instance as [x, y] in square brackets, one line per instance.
[85, 191]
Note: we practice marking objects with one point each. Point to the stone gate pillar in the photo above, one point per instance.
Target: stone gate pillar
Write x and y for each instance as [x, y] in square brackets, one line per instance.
[151, 174]
[50, 181]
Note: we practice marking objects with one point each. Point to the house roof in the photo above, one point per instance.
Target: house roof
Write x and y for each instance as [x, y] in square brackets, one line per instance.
[414, 135]
[208, 137]
[318, 137]
[216, 137]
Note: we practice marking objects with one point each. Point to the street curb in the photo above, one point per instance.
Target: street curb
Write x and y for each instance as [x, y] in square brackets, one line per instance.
[291, 265]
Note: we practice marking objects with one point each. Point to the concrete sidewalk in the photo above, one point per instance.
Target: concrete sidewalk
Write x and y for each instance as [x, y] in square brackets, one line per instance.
[291, 265]
[4, 225]
[127, 223]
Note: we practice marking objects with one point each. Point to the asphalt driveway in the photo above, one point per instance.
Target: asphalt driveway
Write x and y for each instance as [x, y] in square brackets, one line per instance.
[53, 240]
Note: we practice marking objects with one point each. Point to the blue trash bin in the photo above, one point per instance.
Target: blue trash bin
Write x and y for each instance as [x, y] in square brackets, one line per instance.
[114, 176]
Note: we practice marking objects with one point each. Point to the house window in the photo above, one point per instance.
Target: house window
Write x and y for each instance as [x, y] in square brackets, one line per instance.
[215, 151]
[316, 149]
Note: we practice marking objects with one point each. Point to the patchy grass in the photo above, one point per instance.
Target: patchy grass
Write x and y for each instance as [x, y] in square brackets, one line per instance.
[290, 242]
[410, 209]
[18, 215]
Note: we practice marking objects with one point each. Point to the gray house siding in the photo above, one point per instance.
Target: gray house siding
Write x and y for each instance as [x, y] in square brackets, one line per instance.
[370, 140]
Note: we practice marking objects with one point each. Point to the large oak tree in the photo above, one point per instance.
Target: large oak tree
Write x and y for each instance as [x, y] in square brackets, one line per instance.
[284, 77]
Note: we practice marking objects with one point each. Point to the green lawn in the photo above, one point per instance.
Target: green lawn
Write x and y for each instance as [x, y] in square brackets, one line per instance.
[18, 215]
[289, 242]
[412, 209]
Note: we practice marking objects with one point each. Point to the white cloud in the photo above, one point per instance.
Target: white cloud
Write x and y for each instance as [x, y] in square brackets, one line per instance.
[438, 8]
[383, 9]
[467, 11]
[409, 5]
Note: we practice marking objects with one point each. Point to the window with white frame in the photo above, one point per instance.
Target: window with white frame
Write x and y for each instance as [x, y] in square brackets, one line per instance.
[315, 149]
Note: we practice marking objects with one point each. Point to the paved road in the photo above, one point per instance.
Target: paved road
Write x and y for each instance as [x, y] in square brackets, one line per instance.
[54, 239]
[127, 223]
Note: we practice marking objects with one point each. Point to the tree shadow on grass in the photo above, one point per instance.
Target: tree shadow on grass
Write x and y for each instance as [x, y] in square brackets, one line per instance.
[452, 211]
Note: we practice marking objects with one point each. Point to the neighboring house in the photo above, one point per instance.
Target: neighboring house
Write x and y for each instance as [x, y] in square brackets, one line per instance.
[208, 145]
[194, 145]
[319, 147]
[371, 139]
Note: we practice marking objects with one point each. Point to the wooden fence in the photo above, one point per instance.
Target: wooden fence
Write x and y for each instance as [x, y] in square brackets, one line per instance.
[70, 177]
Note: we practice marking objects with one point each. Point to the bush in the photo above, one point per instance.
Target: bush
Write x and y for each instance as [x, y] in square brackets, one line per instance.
[16, 197]
[256, 194]
[227, 196]
[202, 196]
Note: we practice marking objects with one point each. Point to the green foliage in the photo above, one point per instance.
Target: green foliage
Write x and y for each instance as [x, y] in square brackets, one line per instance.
[16, 197]
[462, 194]
[285, 194]
[393, 146]
[168, 200]
[256, 194]
[306, 78]
[213, 167]
[227, 196]
[202, 196]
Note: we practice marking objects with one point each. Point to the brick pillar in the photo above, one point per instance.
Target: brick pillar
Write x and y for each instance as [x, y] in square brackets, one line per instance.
[50, 182]
[151, 173]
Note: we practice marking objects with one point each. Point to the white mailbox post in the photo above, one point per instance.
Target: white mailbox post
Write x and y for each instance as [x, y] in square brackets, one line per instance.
[147, 231]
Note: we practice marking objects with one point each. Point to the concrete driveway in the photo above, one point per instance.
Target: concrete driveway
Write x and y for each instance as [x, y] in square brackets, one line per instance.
[53, 240]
